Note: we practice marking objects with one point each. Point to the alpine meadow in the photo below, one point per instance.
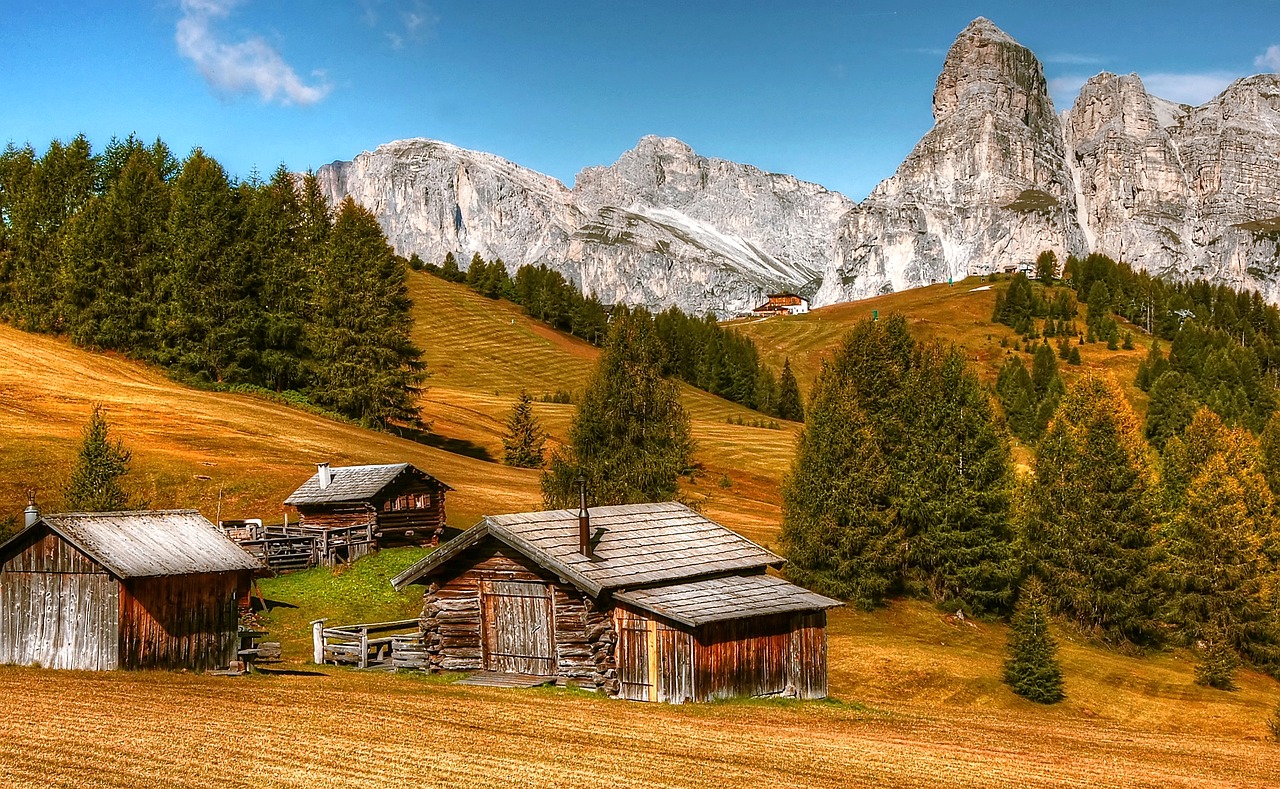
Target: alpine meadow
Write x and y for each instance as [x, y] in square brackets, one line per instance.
[424, 467]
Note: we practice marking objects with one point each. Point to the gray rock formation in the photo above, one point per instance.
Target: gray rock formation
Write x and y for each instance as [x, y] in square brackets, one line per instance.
[1181, 191]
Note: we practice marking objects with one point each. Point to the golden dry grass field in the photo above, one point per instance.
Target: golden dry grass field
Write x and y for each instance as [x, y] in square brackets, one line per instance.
[919, 701]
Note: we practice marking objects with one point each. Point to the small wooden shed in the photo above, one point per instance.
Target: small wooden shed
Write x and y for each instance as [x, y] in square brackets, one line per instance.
[353, 510]
[108, 590]
[651, 602]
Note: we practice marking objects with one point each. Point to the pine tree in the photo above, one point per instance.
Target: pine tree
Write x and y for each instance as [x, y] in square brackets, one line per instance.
[1173, 404]
[789, 402]
[839, 529]
[630, 437]
[1090, 514]
[523, 443]
[1046, 267]
[1218, 662]
[1031, 668]
[95, 480]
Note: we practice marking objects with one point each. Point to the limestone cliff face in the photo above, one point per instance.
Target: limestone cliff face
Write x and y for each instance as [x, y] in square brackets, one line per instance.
[1178, 190]
[986, 187]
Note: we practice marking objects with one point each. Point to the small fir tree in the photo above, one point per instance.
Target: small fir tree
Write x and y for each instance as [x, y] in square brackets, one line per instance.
[95, 481]
[1046, 267]
[789, 402]
[1031, 668]
[524, 443]
[1218, 662]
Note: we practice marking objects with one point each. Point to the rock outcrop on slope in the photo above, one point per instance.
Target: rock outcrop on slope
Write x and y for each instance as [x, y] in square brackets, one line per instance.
[1178, 190]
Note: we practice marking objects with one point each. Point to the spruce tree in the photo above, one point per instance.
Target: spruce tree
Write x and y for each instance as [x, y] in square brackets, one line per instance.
[1173, 404]
[1046, 267]
[790, 405]
[630, 437]
[363, 363]
[1090, 514]
[524, 441]
[1031, 668]
[1217, 662]
[95, 480]
[839, 529]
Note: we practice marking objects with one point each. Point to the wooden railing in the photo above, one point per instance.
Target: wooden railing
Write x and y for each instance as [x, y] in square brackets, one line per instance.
[396, 644]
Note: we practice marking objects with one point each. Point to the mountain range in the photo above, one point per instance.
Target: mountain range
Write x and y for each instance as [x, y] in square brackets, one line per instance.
[1177, 190]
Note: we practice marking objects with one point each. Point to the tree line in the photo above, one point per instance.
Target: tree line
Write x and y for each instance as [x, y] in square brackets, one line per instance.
[903, 483]
[698, 351]
[244, 284]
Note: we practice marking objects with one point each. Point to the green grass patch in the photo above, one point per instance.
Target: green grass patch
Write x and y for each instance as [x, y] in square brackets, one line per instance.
[344, 595]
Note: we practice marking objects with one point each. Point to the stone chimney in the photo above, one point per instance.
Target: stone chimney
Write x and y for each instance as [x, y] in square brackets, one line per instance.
[32, 513]
[324, 474]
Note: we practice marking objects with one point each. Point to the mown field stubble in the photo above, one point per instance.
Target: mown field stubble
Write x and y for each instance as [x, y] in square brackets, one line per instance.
[918, 700]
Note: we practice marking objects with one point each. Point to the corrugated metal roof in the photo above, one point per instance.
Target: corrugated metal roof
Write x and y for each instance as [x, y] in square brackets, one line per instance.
[151, 542]
[352, 483]
[696, 603]
[635, 545]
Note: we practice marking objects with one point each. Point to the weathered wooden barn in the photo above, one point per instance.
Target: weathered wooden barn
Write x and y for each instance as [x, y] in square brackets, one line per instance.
[353, 510]
[98, 591]
[650, 602]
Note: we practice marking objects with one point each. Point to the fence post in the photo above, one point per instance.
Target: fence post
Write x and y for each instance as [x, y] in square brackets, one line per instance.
[364, 647]
[317, 641]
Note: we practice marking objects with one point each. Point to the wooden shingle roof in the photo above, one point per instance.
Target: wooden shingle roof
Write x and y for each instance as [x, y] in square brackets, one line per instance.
[352, 483]
[634, 545]
[149, 542]
[707, 600]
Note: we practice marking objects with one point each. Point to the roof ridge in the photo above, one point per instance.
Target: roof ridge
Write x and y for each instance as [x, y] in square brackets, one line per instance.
[118, 513]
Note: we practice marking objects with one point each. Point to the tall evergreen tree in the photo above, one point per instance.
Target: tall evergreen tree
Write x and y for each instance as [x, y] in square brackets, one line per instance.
[789, 405]
[1090, 514]
[1173, 404]
[1031, 667]
[840, 531]
[524, 442]
[630, 437]
[102, 462]
[364, 364]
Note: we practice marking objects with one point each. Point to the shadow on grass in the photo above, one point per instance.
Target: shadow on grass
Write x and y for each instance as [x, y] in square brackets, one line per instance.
[288, 672]
[458, 446]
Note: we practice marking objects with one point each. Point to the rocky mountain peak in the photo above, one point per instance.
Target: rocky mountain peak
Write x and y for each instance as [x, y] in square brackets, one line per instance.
[987, 67]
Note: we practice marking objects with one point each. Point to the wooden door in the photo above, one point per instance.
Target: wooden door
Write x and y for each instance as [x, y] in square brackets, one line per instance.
[519, 633]
[635, 656]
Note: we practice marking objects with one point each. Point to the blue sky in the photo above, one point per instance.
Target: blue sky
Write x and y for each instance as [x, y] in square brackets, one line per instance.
[833, 92]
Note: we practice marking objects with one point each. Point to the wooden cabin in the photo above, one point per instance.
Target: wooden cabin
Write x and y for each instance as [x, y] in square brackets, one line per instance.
[354, 510]
[100, 591]
[782, 304]
[651, 602]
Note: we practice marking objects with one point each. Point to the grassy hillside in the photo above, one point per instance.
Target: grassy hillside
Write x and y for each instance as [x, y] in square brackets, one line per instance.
[920, 700]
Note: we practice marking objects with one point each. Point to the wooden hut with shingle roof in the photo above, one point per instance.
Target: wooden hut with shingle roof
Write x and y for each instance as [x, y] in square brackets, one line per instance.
[352, 510]
[107, 590]
[651, 602]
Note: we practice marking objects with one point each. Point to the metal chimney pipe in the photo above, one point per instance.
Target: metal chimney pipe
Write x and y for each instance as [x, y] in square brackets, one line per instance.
[325, 475]
[584, 519]
[32, 513]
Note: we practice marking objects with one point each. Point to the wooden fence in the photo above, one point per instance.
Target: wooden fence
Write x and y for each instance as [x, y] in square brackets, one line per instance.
[286, 548]
[394, 645]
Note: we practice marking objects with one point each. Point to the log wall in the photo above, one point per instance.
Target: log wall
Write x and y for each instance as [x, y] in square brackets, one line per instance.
[58, 608]
[453, 621]
[181, 621]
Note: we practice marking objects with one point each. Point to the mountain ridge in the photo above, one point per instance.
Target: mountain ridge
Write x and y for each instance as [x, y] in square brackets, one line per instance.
[1178, 190]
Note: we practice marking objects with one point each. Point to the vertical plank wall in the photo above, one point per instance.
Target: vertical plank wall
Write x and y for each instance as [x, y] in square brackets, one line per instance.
[181, 621]
[58, 608]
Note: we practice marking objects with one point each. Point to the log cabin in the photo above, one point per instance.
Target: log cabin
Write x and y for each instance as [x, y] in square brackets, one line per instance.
[782, 304]
[353, 510]
[649, 602]
[132, 590]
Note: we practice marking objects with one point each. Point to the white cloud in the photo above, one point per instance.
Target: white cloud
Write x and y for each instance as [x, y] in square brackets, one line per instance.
[1063, 90]
[1073, 59]
[402, 21]
[1269, 60]
[249, 66]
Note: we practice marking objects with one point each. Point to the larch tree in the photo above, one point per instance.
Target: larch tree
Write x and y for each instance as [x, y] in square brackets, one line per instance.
[524, 442]
[1090, 519]
[102, 462]
[630, 438]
